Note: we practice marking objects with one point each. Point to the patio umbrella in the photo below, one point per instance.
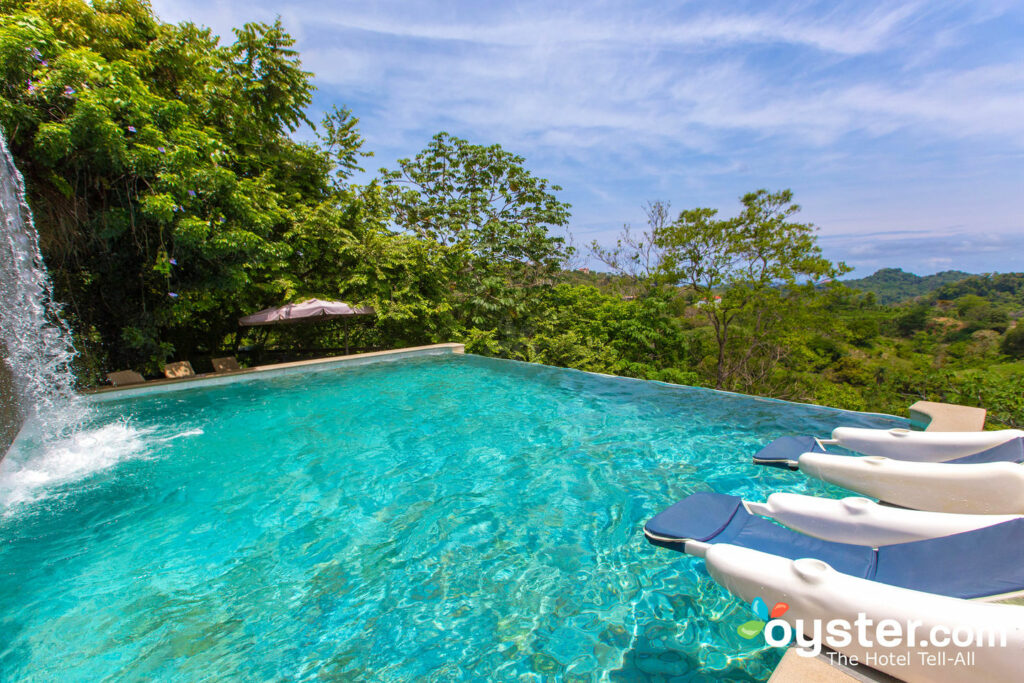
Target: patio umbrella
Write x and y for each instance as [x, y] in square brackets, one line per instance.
[311, 310]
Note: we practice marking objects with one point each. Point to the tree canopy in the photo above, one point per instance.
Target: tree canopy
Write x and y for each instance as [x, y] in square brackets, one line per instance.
[166, 188]
[751, 265]
[492, 216]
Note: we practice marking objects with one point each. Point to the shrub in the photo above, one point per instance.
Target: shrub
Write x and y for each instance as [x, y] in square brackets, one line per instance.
[1013, 342]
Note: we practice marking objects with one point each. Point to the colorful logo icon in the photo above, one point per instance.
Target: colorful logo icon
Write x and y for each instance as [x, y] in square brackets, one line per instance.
[755, 626]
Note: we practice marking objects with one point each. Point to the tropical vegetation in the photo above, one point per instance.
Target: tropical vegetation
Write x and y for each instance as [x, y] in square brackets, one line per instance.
[178, 183]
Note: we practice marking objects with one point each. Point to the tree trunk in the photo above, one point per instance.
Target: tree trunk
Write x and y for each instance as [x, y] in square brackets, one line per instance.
[722, 335]
[720, 369]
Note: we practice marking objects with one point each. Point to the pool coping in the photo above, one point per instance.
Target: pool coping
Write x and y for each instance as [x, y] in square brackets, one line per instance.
[948, 417]
[794, 668]
[214, 379]
[755, 397]
[268, 371]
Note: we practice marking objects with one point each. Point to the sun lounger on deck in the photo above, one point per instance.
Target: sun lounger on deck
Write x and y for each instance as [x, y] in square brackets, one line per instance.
[989, 482]
[226, 364]
[861, 521]
[973, 564]
[123, 378]
[179, 370]
[922, 585]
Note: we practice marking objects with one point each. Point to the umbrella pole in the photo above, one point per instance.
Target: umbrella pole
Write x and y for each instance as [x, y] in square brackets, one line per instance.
[261, 343]
[346, 336]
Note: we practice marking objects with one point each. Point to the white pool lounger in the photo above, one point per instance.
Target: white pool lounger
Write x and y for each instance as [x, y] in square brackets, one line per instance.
[816, 592]
[926, 587]
[897, 444]
[904, 444]
[987, 488]
[989, 481]
[861, 521]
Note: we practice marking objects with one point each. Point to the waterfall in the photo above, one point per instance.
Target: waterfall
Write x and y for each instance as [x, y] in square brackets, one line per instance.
[36, 380]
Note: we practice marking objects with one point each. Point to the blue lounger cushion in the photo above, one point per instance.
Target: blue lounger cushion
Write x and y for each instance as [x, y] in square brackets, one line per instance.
[973, 564]
[1010, 451]
[786, 450]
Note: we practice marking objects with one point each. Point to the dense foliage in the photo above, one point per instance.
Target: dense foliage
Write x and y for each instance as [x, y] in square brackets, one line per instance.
[893, 285]
[751, 268]
[172, 197]
[491, 217]
[167, 192]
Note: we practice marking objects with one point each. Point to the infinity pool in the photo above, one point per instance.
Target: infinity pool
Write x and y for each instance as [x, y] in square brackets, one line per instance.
[441, 518]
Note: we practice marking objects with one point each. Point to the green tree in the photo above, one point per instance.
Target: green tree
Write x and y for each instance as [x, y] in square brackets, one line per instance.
[979, 313]
[1013, 341]
[760, 264]
[582, 327]
[493, 215]
[168, 193]
[913, 319]
[637, 256]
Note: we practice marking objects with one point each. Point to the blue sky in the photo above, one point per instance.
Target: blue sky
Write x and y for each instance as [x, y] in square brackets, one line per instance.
[899, 126]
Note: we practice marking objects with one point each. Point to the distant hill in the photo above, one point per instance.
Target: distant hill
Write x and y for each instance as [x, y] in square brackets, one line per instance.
[892, 285]
[1005, 288]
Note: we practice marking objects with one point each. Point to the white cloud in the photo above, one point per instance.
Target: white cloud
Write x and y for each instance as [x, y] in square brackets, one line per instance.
[623, 25]
[635, 74]
[898, 108]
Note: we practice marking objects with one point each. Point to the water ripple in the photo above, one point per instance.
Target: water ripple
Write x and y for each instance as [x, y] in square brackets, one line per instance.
[437, 519]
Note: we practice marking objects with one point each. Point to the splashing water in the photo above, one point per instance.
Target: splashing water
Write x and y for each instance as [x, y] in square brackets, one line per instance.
[35, 342]
[31, 477]
[40, 467]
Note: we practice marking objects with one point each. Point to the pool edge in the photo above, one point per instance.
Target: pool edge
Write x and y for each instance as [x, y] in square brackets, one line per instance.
[755, 397]
[266, 371]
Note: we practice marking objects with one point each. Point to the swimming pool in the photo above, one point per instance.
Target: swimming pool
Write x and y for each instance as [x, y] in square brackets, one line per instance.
[437, 518]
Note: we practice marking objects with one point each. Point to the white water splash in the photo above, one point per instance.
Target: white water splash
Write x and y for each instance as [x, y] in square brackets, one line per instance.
[188, 432]
[35, 342]
[65, 460]
[49, 466]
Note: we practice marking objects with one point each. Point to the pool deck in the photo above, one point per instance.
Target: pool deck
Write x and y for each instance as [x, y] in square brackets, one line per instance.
[946, 417]
[284, 368]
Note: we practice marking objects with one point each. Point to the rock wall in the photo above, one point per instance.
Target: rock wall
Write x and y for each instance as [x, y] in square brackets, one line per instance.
[10, 416]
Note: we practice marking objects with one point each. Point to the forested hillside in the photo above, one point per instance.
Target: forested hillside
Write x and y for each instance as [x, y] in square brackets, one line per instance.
[893, 285]
[172, 197]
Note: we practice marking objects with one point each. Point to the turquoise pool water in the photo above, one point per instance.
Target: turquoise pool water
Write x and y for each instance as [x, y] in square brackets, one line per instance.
[445, 518]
